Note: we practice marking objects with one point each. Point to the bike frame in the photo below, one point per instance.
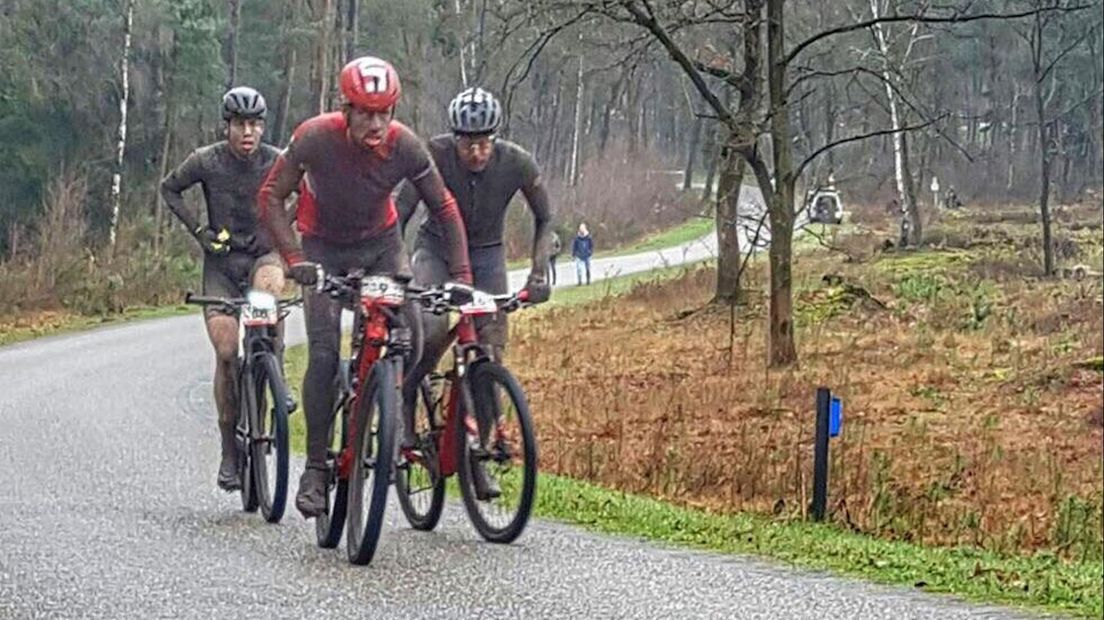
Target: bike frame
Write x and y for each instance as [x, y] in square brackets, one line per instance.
[466, 351]
[372, 330]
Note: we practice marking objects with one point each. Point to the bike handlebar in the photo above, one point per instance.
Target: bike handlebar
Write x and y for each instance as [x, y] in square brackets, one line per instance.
[438, 299]
[235, 302]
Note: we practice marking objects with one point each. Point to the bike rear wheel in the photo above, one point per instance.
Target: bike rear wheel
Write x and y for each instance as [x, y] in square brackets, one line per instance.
[373, 455]
[418, 483]
[329, 526]
[504, 446]
[269, 456]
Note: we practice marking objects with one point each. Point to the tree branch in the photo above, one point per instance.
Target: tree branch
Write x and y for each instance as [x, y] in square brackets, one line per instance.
[865, 136]
[738, 81]
[1070, 110]
[539, 45]
[1065, 52]
[679, 57]
[925, 19]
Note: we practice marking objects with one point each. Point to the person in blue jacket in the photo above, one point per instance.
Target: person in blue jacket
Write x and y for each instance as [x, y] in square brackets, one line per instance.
[581, 250]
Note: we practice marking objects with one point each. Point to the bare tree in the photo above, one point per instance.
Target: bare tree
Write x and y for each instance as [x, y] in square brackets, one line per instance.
[911, 224]
[352, 27]
[283, 112]
[120, 146]
[692, 149]
[324, 15]
[232, 44]
[1045, 59]
[573, 172]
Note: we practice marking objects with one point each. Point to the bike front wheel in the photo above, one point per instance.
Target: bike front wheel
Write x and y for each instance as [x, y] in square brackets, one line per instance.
[375, 413]
[269, 453]
[247, 413]
[498, 454]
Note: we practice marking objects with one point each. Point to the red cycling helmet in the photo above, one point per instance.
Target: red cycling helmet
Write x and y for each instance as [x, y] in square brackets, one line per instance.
[370, 83]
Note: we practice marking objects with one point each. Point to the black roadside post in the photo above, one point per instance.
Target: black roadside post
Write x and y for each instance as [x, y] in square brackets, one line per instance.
[820, 453]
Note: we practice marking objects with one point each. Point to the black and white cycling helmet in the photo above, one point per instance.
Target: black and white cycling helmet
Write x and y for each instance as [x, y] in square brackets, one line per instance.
[474, 111]
[243, 102]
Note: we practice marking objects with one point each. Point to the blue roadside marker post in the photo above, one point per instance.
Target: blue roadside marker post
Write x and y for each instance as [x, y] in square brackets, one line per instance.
[829, 423]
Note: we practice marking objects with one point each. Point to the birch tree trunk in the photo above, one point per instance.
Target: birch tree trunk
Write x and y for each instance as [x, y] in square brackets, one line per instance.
[1012, 138]
[120, 149]
[463, 56]
[910, 225]
[573, 173]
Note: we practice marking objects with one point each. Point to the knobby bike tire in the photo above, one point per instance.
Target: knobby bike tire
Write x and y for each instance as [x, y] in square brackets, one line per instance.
[481, 378]
[423, 520]
[267, 374]
[375, 413]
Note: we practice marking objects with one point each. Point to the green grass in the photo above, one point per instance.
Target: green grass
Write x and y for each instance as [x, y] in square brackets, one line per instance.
[11, 335]
[690, 230]
[693, 228]
[1039, 582]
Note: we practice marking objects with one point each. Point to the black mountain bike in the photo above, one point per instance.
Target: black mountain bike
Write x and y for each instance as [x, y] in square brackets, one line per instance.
[263, 404]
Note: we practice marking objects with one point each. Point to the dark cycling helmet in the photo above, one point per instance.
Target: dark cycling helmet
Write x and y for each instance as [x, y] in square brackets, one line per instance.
[474, 111]
[243, 102]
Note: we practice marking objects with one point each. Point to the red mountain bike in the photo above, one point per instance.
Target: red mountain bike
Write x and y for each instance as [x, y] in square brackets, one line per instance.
[472, 420]
[367, 406]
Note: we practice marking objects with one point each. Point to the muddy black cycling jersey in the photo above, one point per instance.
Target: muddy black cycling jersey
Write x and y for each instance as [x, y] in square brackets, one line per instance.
[483, 196]
[230, 185]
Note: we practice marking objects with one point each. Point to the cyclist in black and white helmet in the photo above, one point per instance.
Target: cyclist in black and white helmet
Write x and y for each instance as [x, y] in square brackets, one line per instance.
[244, 103]
[236, 250]
[483, 173]
[474, 112]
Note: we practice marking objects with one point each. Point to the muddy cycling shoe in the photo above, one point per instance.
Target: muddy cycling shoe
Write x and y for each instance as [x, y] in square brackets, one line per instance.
[291, 404]
[229, 478]
[486, 487]
[311, 499]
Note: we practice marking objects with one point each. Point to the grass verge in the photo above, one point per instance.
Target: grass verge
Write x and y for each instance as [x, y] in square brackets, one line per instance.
[51, 324]
[1041, 581]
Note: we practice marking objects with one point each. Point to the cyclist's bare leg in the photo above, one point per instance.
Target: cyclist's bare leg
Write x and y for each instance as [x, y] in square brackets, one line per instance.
[268, 276]
[222, 330]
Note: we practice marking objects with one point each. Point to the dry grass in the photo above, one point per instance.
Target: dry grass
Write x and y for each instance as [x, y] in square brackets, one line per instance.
[967, 421]
[65, 272]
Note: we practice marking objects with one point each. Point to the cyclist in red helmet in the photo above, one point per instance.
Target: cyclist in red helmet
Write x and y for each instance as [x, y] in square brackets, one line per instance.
[344, 165]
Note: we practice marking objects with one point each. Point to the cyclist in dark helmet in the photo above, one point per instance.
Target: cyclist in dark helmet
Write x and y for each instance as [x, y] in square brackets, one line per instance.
[484, 173]
[237, 252]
